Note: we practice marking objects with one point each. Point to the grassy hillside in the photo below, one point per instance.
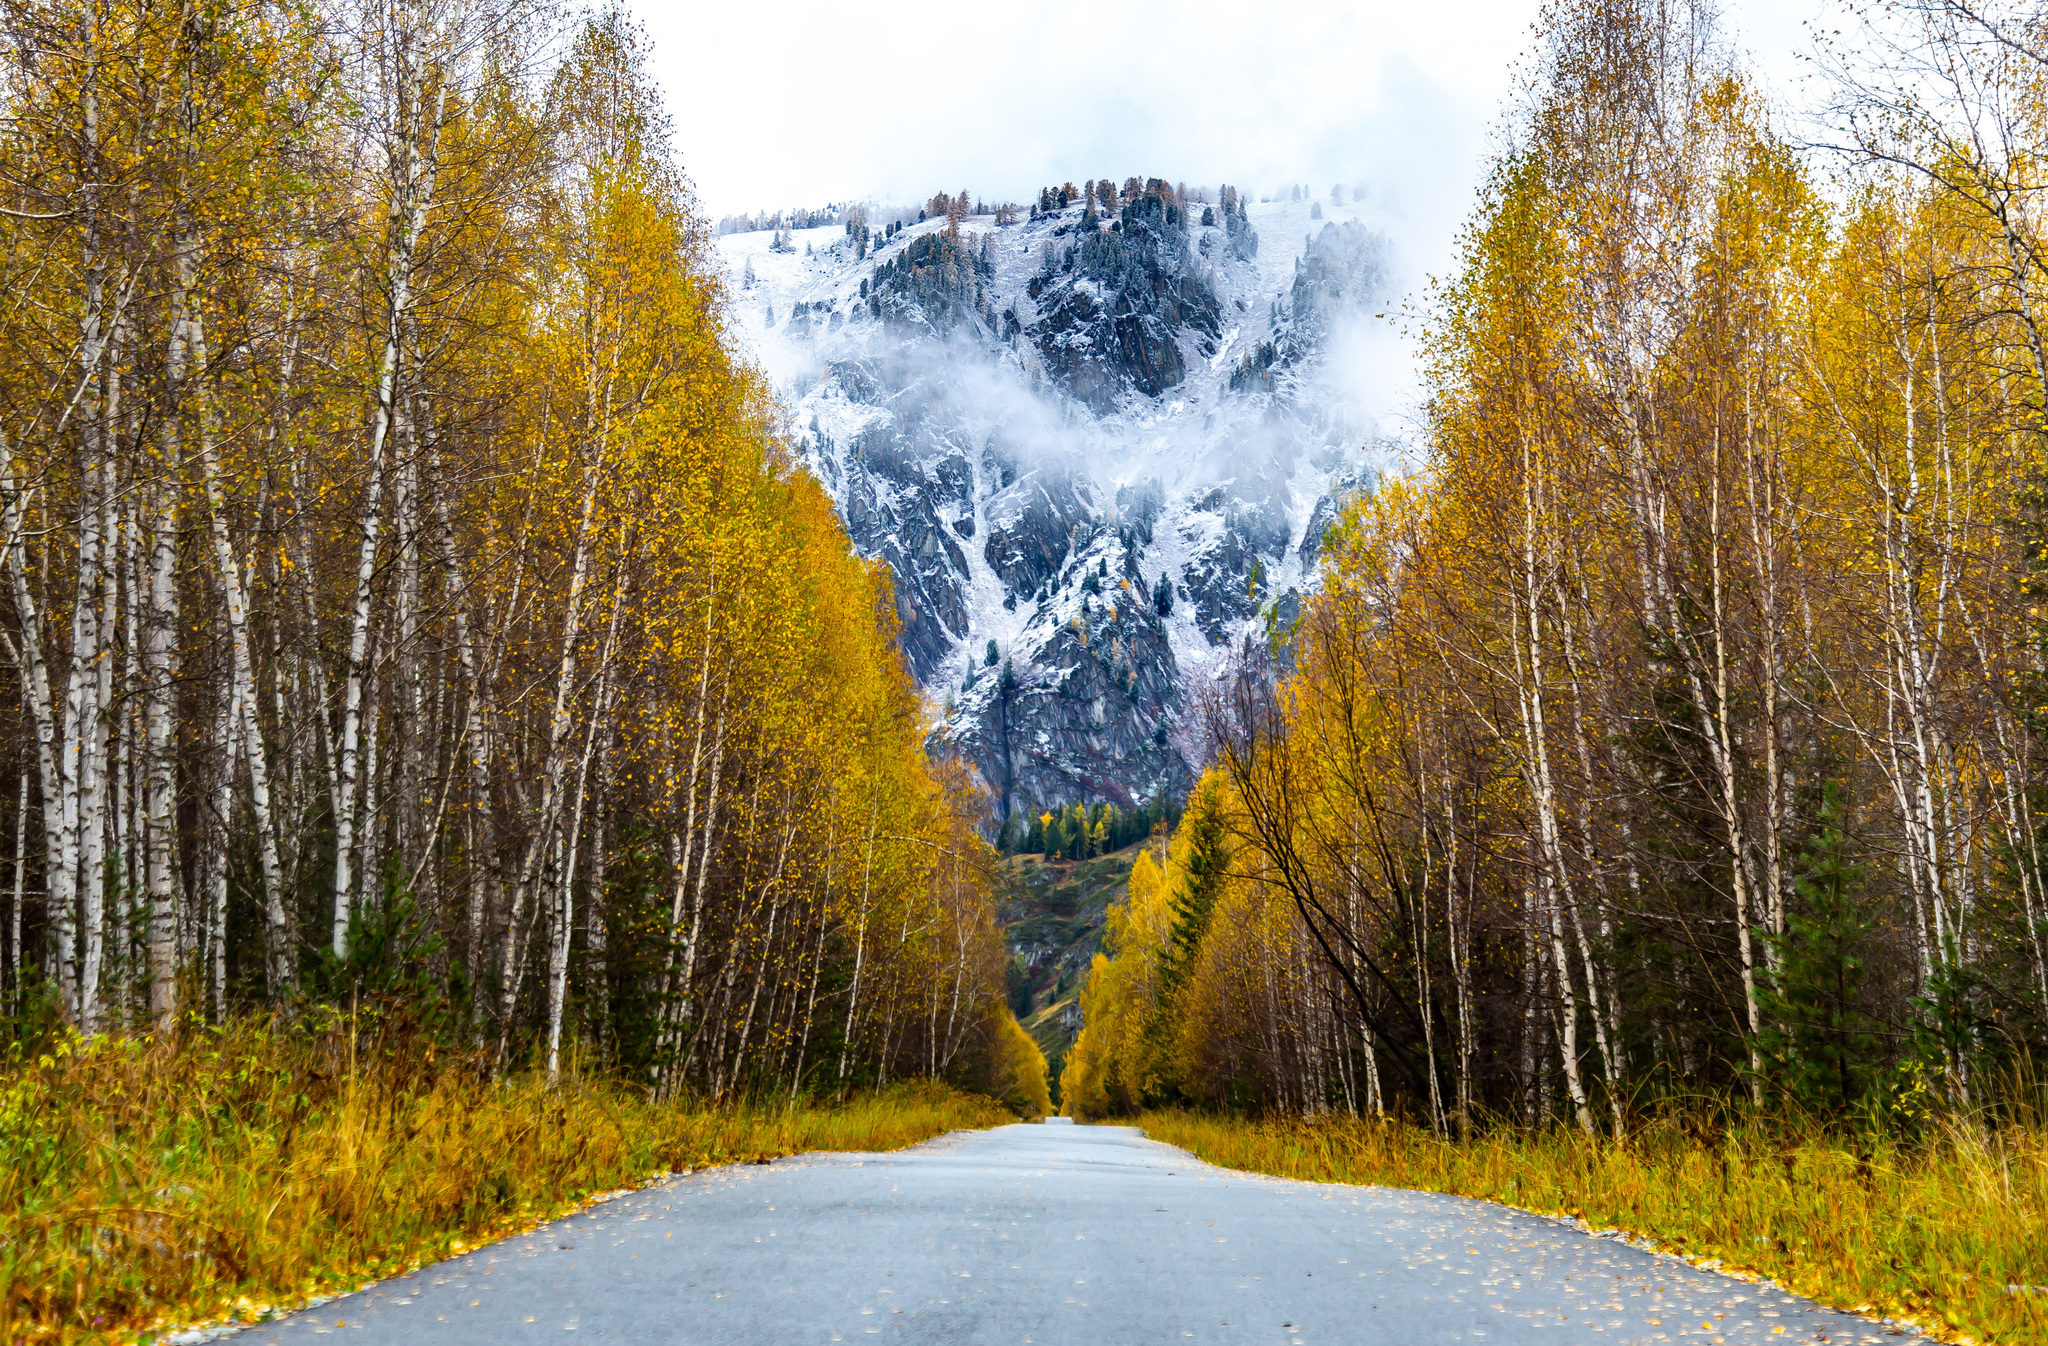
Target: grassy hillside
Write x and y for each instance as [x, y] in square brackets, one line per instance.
[1052, 915]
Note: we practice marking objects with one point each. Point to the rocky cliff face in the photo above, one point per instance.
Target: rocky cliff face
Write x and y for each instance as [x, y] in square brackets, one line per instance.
[1118, 303]
[1095, 453]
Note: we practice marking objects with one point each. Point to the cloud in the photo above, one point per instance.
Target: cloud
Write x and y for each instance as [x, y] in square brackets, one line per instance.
[799, 103]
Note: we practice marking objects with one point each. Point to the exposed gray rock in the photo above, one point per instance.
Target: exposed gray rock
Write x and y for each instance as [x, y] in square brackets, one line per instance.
[1343, 490]
[1343, 268]
[1084, 721]
[1138, 506]
[1031, 525]
[1235, 533]
[1119, 305]
[1037, 427]
[894, 503]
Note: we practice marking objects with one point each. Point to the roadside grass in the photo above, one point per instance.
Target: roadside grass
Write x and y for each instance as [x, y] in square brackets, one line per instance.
[1948, 1230]
[218, 1174]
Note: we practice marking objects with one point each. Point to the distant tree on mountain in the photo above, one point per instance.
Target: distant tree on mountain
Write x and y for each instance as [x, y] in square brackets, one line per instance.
[857, 230]
[955, 207]
[1244, 243]
[938, 274]
[1251, 371]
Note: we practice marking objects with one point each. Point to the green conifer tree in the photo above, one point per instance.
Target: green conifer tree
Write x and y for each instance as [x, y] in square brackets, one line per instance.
[1821, 1047]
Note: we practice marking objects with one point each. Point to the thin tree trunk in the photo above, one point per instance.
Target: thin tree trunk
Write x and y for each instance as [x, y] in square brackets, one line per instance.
[278, 942]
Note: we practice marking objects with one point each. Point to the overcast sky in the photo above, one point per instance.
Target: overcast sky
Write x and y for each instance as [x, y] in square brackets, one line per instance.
[796, 102]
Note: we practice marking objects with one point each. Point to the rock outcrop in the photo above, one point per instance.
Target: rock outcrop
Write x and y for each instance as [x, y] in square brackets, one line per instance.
[1040, 431]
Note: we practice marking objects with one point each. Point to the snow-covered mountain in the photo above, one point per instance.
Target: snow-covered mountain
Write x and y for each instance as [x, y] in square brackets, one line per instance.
[1097, 454]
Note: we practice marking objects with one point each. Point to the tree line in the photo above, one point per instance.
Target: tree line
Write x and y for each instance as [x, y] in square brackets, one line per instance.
[1672, 726]
[800, 218]
[409, 593]
[1084, 831]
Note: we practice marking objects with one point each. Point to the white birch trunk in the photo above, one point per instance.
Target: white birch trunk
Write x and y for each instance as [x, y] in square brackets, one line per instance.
[246, 714]
[412, 196]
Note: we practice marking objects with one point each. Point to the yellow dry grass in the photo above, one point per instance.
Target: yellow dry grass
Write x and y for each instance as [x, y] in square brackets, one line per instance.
[223, 1173]
[1949, 1229]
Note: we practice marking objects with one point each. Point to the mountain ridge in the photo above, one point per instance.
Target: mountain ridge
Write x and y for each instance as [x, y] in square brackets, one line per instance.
[1095, 449]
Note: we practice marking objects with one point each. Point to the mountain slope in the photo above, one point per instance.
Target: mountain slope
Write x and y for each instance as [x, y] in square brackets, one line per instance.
[1103, 449]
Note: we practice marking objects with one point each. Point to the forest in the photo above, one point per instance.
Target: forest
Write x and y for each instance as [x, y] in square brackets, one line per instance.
[410, 596]
[455, 769]
[1673, 731]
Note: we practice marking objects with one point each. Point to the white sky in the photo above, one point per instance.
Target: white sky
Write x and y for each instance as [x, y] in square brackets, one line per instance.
[800, 102]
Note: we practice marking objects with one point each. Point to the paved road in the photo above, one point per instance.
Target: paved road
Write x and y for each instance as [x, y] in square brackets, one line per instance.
[1051, 1235]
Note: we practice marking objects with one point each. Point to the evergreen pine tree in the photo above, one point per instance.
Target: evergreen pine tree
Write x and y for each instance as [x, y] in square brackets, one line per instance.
[1820, 1047]
[1195, 903]
[1193, 906]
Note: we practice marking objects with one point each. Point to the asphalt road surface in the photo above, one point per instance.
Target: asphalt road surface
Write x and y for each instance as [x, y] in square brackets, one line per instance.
[1048, 1236]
